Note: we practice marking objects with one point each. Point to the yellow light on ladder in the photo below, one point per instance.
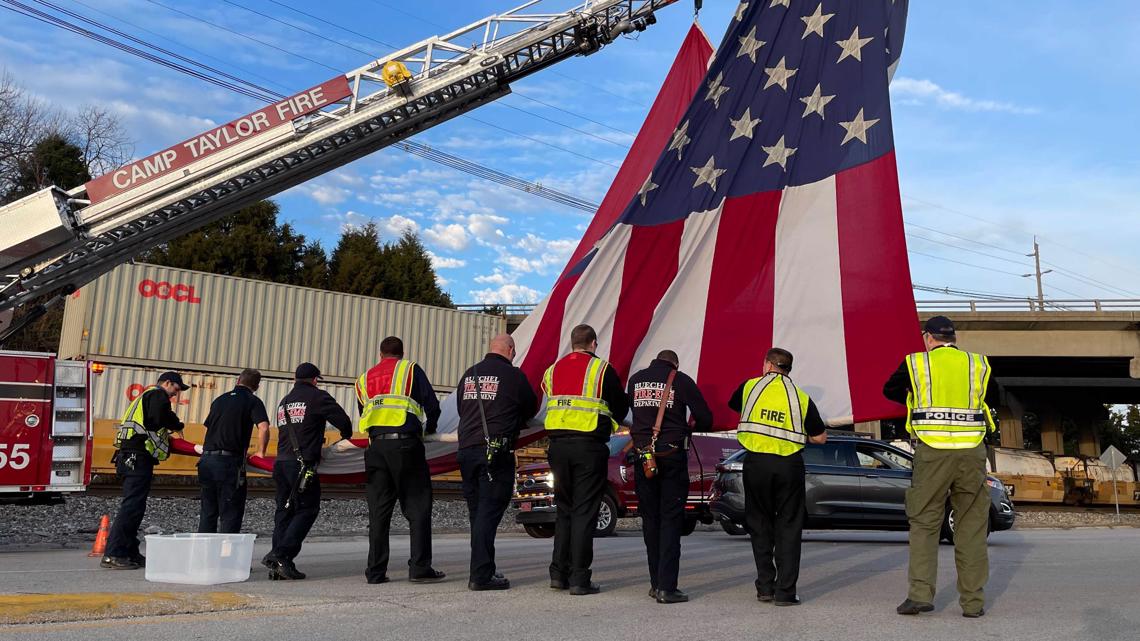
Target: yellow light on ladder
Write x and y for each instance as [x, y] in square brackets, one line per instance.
[395, 73]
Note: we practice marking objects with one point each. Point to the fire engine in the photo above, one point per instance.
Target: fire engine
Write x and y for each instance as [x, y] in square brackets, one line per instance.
[56, 241]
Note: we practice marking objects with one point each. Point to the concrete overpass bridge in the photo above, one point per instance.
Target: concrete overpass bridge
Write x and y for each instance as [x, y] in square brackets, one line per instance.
[1056, 365]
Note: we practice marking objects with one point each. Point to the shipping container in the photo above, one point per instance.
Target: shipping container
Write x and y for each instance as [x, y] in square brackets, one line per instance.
[145, 315]
[113, 387]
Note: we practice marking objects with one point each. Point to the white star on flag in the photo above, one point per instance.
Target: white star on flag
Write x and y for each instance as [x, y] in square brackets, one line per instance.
[816, 102]
[708, 174]
[778, 154]
[779, 75]
[680, 139]
[749, 45]
[814, 23]
[647, 187]
[857, 128]
[786, 3]
[742, 128]
[740, 9]
[853, 46]
[716, 90]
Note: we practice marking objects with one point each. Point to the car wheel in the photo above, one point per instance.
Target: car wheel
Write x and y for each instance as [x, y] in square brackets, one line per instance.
[607, 517]
[540, 530]
[689, 527]
[950, 523]
[733, 528]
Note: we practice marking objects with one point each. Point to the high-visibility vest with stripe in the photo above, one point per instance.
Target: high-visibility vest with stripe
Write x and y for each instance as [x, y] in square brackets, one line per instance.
[157, 443]
[385, 393]
[573, 388]
[947, 401]
[772, 416]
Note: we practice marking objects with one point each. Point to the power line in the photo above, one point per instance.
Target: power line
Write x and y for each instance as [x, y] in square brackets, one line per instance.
[967, 249]
[560, 124]
[951, 260]
[572, 113]
[301, 29]
[333, 24]
[541, 142]
[969, 240]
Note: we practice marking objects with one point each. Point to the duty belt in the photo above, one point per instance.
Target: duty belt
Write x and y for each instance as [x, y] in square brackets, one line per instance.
[394, 436]
[220, 453]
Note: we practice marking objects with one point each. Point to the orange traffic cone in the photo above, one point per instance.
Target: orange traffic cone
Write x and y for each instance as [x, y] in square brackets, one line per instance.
[100, 546]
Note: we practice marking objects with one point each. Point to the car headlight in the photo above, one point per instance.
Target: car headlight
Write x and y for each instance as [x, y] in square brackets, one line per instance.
[995, 483]
[549, 478]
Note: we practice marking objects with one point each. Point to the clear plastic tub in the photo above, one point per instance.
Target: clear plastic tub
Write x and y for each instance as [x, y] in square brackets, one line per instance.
[199, 559]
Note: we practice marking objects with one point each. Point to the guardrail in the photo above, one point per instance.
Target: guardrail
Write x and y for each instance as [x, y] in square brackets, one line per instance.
[948, 305]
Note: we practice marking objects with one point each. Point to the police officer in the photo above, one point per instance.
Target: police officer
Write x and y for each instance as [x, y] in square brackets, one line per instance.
[495, 401]
[143, 441]
[301, 419]
[662, 397]
[221, 470]
[398, 407]
[584, 400]
[777, 419]
[944, 390]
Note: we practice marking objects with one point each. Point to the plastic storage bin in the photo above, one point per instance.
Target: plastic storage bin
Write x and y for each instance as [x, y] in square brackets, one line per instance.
[199, 559]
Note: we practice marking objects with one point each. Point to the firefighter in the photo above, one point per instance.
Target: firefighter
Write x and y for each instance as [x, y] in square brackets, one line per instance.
[221, 470]
[944, 389]
[662, 397]
[398, 408]
[495, 401]
[143, 440]
[777, 419]
[301, 419]
[585, 399]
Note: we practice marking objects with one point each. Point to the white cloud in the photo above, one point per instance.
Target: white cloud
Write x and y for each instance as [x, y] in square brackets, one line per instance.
[441, 281]
[921, 91]
[395, 226]
[495, 278]
[510, 293]
[485, 227]
[452, 237]
[348, 220]
[326, 195]
[446, 262]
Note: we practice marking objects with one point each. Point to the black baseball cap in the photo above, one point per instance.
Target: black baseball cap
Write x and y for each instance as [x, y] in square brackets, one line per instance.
[939, 325]
[306, 371]
[176, 378]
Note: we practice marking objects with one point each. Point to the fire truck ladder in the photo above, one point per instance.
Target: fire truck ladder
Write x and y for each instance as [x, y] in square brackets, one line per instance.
[451, 74]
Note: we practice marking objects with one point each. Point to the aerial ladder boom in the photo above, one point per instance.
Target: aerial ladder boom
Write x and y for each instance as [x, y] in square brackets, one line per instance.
[56, 241]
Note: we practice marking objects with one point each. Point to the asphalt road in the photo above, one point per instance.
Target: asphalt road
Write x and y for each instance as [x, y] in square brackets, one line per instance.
[1044, 585]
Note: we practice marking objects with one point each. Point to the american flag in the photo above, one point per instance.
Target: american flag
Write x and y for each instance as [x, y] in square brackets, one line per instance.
[770, 217]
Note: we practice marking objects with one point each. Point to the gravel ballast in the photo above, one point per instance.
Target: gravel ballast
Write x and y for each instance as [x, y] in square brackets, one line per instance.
[74, 522]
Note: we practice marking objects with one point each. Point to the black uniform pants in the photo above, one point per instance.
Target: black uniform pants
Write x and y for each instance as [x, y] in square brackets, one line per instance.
[661, 503]
[487, 499]
[222, 479]
[579, 468]
[397, 469]
[137, 470]
[292, 525]
[774, 511]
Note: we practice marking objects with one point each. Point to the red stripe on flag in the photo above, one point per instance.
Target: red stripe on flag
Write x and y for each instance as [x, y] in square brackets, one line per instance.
[651, 258]
[682, 81]
[543, 349]
[738, 313]
[879, 318]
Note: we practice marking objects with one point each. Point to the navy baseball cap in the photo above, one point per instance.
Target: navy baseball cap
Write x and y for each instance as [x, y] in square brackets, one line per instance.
[176, 378]
[939, 325]
[306, 371]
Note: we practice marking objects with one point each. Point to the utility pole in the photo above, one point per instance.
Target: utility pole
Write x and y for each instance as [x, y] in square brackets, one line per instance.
[1038, 273]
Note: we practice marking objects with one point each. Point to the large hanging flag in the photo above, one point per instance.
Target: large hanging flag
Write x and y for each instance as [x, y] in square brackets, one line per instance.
[771, 218]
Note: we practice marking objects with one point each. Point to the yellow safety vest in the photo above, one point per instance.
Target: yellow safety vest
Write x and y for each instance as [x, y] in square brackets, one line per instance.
[389, 409]
[157, 443]
[578, 413]
[772, 416]
[947, 401]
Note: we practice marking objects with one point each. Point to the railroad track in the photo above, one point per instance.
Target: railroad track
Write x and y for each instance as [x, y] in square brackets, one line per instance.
[439, 490]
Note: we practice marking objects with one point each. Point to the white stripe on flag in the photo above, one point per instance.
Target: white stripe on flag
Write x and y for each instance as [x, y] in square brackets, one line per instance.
[808, 301]
[524, 333]
[679, 321]
[594, 299]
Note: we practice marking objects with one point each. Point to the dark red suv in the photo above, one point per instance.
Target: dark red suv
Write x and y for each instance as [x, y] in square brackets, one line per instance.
[534, 487]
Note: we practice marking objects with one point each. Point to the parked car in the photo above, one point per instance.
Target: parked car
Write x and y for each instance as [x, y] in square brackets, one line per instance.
[852, 483]
[534, 487]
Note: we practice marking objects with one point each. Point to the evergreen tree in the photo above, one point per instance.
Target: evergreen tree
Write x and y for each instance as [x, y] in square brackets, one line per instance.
[53, 161]
[361, 264]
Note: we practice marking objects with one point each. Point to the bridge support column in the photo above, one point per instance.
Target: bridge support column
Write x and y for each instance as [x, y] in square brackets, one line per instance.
[1009, 420]
[874, 428]
[1052, 436]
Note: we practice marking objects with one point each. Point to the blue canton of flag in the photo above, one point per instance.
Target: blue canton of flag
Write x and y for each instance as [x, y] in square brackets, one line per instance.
[797, 92]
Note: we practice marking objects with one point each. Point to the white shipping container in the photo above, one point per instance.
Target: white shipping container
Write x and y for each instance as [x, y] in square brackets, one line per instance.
[144, 315]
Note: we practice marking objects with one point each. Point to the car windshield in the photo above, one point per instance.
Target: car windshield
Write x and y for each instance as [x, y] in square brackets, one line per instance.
[617, 443]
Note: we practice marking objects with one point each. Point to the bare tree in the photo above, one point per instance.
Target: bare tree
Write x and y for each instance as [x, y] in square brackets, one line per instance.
[26, 120]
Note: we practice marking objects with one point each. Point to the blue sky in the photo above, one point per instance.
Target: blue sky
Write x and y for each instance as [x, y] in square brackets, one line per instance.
[1010, 121]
